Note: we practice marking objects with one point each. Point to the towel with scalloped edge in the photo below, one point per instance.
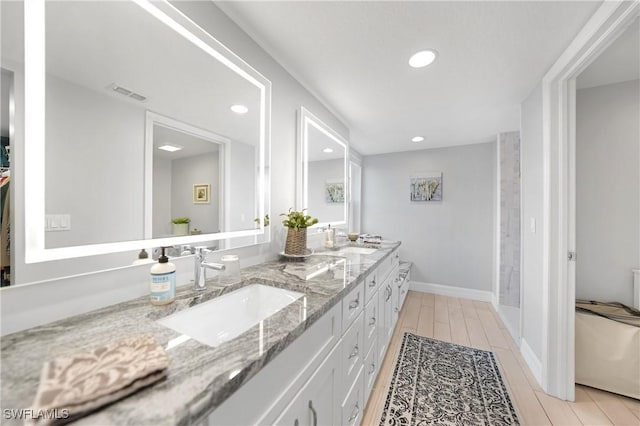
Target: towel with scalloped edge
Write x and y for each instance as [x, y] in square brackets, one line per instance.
[73, 386]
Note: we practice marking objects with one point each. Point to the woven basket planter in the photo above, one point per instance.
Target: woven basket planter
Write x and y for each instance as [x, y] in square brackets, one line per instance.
[296, 244]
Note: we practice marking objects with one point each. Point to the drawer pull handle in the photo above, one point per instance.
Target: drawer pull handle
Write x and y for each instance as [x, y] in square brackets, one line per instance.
[397, 310]
[354, 414]
[373, 368]
[354, 352]
[390, 292]
[372, 321]
[372, 283]
[313, 412]
[354, 304]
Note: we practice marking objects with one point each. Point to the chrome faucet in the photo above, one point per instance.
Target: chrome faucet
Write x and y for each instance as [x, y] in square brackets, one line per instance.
[201, 265]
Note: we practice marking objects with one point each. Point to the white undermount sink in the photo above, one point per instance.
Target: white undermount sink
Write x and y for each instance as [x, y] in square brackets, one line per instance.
[358, 250]
[226, 317]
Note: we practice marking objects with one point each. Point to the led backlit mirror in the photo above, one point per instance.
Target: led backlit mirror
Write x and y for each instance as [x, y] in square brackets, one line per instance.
[322, 171]
[107, 84]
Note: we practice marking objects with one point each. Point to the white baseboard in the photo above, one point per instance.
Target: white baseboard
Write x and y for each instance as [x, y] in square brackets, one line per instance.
[494, 301]
[512, 331]
[447, 290]
[532, 360]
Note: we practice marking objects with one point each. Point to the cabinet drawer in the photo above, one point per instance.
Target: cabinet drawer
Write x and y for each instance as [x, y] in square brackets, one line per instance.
[403, 287]
[388, 264]
[371, 319]
[353, 353]
[384, 268]
[395, 259]
[370, 285]
[353, 404]
[318, 402]
[370, 371]
[352, 305]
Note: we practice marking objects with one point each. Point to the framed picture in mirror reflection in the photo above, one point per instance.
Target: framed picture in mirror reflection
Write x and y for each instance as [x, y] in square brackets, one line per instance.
[201, 193]
[334, 191]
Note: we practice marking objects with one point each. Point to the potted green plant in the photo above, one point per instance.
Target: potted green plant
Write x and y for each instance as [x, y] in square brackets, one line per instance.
[180, 226]
[297, 223]
[266, 221]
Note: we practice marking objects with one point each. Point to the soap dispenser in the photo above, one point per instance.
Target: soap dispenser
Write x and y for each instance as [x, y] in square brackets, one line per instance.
[329, 240]
[143, 257]
[163, 281]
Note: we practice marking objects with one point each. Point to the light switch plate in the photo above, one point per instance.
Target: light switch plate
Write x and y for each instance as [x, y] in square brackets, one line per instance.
[57, 222]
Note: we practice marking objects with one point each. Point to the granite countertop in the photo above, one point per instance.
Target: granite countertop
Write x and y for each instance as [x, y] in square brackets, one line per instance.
[200, 377]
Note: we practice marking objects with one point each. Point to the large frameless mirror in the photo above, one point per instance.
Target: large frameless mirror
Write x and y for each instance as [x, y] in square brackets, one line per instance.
[141, 130]
[322, 171]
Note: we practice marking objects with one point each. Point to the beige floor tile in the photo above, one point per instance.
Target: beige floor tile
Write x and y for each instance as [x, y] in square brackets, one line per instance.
[457, 325]
[426, 320]
[613, 407]
[428, 299]
[557, 410]
[587, 410]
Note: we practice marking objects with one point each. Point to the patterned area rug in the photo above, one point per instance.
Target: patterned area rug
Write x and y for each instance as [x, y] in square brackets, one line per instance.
[439, 383]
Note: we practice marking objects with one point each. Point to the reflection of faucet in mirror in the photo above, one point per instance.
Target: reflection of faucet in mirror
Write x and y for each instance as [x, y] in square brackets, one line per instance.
[200, 281]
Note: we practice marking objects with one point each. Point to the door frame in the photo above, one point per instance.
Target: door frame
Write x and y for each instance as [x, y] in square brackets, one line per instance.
[558, 148]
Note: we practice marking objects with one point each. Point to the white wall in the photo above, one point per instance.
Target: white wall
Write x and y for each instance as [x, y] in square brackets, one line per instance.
[186, 172]
[29, 305]
[103, 141]
[531, 146]
[319, 173]
[449, 242]
[162, 175]
[607, 194]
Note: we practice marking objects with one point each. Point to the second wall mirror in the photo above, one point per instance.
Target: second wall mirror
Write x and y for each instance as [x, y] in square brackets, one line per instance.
[322, 171]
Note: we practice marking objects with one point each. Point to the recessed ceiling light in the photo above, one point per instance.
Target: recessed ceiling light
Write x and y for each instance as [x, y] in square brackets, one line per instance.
[423, 58]
[417, 139]
[239, 109]
[170, 148]
[327, 150]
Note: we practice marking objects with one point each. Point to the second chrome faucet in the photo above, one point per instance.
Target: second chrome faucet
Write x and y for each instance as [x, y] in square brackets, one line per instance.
[201, 266]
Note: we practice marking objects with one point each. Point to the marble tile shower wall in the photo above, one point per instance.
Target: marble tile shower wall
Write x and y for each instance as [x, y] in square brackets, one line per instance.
[509, 146]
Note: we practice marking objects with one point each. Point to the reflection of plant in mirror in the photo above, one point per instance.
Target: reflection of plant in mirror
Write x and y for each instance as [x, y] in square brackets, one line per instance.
[181, 220]
[297, 220]
[266, 220]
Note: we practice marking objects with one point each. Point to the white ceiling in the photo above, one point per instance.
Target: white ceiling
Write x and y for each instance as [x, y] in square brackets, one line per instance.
[353, 56]
[617, 63]
[317, 141]
[191, 145]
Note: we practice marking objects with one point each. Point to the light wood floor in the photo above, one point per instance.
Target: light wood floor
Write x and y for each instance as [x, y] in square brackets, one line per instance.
[476, 324]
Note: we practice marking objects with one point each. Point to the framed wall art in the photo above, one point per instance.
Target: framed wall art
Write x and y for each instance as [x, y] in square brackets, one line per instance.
[201, 193]
[426, 187]
[334, 192]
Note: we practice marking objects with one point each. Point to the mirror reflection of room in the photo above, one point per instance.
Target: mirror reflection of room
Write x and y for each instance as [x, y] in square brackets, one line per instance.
[96, 170]
[326, 175]
[6, 131]
[187, 183]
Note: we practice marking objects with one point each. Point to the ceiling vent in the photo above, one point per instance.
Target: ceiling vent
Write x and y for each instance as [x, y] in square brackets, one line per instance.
[128, 93]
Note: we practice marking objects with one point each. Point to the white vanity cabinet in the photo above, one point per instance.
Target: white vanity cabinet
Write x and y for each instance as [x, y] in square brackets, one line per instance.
[326, 375]
[387, 315]
[317, 403]
[403, 287]
[264, 397]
